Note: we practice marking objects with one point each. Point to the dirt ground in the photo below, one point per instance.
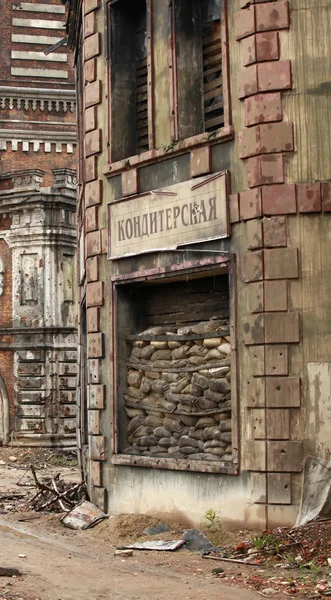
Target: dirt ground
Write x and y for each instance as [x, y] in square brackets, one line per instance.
[58, 563]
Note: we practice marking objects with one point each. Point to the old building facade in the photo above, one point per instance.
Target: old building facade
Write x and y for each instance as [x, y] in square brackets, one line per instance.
[204, 243]
[38, 348]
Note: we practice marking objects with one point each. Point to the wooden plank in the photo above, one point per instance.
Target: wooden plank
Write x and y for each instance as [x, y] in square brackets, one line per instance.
[163, 74]
[285, 456]
[212, 70]
[213, 93]
[279, 488]
[160, 409]
[283, 392]
[278, 424]
[213, 107]
[177, 337]
[216, 122]
[214, 83]
[175, 464]
[140, 366]
[213, 60]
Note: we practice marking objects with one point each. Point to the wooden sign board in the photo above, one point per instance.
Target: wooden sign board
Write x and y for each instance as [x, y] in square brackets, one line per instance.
[178, 215]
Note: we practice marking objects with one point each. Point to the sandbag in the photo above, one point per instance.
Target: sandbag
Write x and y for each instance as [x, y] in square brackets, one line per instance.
[221, 386]
[134, 379]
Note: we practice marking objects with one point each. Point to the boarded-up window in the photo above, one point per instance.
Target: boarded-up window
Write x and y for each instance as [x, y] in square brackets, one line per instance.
[199, 66]
[212, 65]
[129, 79]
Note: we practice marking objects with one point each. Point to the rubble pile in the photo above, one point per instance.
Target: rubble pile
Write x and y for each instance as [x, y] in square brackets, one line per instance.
[178, 395]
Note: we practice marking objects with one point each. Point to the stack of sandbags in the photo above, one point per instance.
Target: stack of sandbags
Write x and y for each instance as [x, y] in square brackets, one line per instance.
[183, 414]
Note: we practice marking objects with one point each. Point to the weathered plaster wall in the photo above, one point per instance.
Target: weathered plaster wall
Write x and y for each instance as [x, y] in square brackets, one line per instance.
[279, 104]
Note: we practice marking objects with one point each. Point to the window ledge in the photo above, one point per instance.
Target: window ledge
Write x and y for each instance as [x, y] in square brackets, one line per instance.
[140, 160]
[172, 464]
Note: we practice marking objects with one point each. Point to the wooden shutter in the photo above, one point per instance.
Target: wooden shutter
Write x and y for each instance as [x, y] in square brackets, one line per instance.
[212, 72]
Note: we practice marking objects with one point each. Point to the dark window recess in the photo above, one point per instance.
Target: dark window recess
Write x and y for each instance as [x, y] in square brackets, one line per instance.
[212, 65]
[174, 369]
[129, 114]
[141, 84]
[199, 66]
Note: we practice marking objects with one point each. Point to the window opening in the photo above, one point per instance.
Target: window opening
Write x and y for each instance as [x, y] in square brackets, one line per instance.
[174, 380]
[141, 82]
[212, 65]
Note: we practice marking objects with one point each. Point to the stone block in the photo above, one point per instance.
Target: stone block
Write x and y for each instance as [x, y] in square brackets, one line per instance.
[97, 444]
[266, 139]
[250, 204]
[274, 76]
[278, 424]
[276, 360]
[309, 197]
[90, 5]
[89, 24]
[276, 137]
[283, 392]
[282, 328]
[94, 371]
[284, 456]
[93, 319]
[255, 297]
[272, 15]
[95, 345]
[279, 199]
[253, 330]
[90, 118]
[259, 488]
[90, 70]
[257, 423]
[94, 422]
[252, 266]
[95, 294]
[93, 193]
[93, 93]
[247, 82]
[244, 23]
[91, 168]
[254, 234]
[257, 359]
[274, 232]
[96, 397]
[263, 108]
[93, 243]
[326, 196]
[255, 392]
[92, 269]
[267, 46]
[99, 498]
[249, 142]
[91, 218]
[279, 488]
[265, 170]
[130, 182]
[248, 50]
[281, 263]
[275, 296]
[200, 161]
[256, 455]
[234, 208]
[93, 142]
[95, 474]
